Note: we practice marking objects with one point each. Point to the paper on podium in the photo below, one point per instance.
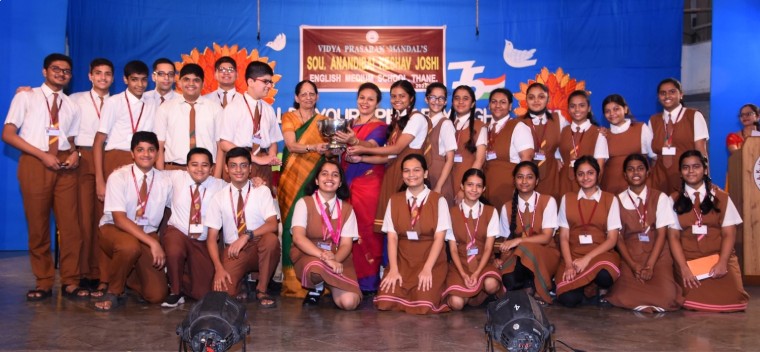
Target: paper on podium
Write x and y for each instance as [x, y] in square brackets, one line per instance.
[700, 267]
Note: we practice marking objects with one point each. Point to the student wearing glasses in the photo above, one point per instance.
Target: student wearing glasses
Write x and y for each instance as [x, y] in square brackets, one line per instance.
[443, 142]
[225, 73]
[164, 74]
[748, 116]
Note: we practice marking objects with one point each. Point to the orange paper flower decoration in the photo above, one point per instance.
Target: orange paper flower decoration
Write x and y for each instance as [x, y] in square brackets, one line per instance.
[560, 86]
[242, 58]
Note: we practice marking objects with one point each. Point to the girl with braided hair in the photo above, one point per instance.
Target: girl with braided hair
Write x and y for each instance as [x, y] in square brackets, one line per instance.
[471, 137]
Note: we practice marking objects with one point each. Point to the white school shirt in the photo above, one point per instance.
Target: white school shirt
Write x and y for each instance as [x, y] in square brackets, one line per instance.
[237, 123]
[444, 218]
[182, 188]
[417, 127]
[664, 213]
[462, 122]
[122, 192]
[543, 120]
[218, 95]
[521, 139]
[731, 217]
[89, 107]
[613, 217]
[154, 96]
[700, 125]
[222, 213]
[646, 136]
[549, 220]
[29, 113]
[600, 148]
[300, 216]
[115, 121]
[447, 138]
[493, 222]
[173, 127]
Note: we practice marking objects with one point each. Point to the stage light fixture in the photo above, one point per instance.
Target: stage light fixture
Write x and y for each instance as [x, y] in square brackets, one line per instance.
[215, 323]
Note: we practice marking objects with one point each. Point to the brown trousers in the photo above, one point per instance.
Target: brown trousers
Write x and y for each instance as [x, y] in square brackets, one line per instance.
[132, 265]
[261, 256]
[43, 189]
[188, 264]
[91, 259]
[168, 166]
[114, 159]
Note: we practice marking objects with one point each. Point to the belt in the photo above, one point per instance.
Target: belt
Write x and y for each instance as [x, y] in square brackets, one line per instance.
[82, 147]
[175, 164]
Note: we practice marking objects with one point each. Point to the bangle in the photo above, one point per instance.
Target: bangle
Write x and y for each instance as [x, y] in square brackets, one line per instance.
[356, 141]
[308, 149]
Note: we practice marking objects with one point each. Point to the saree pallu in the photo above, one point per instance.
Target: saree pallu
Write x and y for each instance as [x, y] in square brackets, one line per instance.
[297, 169]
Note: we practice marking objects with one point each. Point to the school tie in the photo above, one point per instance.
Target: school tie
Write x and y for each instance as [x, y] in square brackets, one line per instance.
[328, 211]
[195, 207]
[224, 101]
[256, 120]
[241, 213]
[192, 124]
[669, 128]
[142, 202]
[697, 208]
[574, 151]
[526, 224]
[101, 103]
[641, 210]
[163, 99]
[53, 140]
[415, 210]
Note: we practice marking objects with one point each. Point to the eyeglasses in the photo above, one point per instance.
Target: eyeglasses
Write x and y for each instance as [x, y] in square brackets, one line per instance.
[226, 70]
[57, 69]
[747, 114]
[441, 99]
[233, 166]
[307, 95]
[265, 81]
[163, 74]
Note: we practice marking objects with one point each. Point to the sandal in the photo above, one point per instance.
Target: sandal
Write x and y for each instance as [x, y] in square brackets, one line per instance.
[37, 295]
[76, 294]
[263, 297]
[99, 291]
[116, 301]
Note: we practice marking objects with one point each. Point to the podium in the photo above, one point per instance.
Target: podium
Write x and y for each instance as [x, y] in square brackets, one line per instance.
[744, 190]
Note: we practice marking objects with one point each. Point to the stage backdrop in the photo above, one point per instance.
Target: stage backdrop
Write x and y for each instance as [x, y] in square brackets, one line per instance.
[605, 47]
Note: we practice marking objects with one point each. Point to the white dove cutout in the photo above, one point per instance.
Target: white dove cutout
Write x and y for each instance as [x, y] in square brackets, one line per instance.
[518, 58]
[278, 43]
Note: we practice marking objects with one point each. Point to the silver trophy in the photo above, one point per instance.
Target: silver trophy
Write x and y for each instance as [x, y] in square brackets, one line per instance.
[328, 128]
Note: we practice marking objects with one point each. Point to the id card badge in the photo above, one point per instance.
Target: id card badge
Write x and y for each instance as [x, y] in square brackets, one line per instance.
[457, 158]
[699, 229]
[668, 150]
[586, 239]
[540, 156]
[53, 131]
[256, 140]
[324, 245]
[141, 220]
[643, 237]
[472, 251]
[412, 235]
[490, 155]
[196, 228]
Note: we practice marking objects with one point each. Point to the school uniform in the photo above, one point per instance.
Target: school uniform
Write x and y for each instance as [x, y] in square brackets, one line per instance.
[539, 212]
[432, 217]
[726, 294]
[42, 189]
[470, 227]
[142, 198]
[261, 255]
[626, 139]
[507, 138]
[188, 264]
[90, 208]
[674, 133]
[463, 158]
[252, 123]
[442, 140]
[661, 293]
[310, 216]
[588, 220]
[222, 97]
[123, 114]
[182, 126]
[546, 133]
[574, 142]
[155, 98]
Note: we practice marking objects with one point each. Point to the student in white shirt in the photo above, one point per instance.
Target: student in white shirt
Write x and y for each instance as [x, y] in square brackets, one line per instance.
[187, 122]
[250, 122]
[471, 137]
[42, 124]
[164, 74]
[185, 237]
[134, 205]
[442, 157]
[225, 73]
[90, 210]
[249, 219]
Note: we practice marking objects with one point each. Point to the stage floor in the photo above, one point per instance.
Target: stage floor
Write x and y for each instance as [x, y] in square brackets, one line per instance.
[59, 324]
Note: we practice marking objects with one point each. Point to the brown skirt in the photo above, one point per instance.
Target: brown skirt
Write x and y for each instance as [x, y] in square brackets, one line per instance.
[455, 285]
[312, 271]
[392, 182]
[609, 261]
[667, 180]
[500, 184]
[542, 260]
[612, 179]
[549, 177]
[726, 294]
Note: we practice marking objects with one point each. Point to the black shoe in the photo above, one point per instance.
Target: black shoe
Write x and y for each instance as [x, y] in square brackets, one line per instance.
[172, 301]
[312, 298]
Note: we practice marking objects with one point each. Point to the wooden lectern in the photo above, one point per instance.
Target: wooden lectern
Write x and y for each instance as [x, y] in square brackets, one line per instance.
[744, 189]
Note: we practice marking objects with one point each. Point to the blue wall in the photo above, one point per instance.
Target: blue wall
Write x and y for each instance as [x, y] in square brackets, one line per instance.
[734, 72]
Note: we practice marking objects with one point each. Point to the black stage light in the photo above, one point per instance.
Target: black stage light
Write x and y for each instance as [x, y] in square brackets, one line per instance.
[215, 323]
[518, 323]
